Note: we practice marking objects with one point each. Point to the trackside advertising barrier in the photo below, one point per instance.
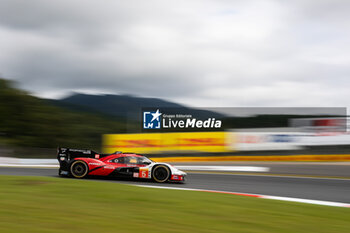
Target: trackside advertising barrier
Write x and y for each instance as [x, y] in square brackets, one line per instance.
[149, 143]
[263, 141]
[166, 142]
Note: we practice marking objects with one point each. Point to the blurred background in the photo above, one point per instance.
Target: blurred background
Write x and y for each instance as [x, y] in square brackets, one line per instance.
[35, 127]
[71, 74]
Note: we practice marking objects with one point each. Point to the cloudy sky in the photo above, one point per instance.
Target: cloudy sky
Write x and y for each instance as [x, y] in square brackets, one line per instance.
[199, 53]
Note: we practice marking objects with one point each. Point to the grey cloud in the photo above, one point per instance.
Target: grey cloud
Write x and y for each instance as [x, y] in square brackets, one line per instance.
[215, 53]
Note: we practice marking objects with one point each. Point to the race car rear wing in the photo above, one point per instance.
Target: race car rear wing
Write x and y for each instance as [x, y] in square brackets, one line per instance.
[66, 155]
[69, 154]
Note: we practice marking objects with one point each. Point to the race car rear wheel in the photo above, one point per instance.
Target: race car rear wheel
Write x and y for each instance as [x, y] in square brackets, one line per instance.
[161, 173]
[79, 169]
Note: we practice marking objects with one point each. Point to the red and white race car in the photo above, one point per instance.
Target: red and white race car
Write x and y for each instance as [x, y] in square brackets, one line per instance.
[81, 163]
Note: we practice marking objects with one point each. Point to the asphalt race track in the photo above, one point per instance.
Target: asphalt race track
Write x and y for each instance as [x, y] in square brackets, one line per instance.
[328, 169]
[337, 190]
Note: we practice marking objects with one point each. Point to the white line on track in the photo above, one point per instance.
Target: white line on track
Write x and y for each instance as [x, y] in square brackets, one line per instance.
[224, 168]
[273, 175]
[30, 165]
[291, 199]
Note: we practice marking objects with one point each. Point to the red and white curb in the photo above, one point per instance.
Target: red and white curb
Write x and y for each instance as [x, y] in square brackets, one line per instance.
[292, 199]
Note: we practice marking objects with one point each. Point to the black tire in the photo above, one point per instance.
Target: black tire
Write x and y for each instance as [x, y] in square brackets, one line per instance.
[79, 169]
[161, 173]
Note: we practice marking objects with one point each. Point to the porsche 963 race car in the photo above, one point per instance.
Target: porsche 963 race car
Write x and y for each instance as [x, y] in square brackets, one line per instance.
[81, 163]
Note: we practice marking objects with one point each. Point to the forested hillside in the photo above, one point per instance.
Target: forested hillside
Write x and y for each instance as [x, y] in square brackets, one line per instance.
[28, 121]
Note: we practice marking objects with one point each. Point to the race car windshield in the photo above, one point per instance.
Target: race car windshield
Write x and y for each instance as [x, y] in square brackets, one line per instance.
[145, 160]
[138, 160]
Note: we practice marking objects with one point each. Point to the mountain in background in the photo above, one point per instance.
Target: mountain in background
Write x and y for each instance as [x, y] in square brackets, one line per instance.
[126, 106]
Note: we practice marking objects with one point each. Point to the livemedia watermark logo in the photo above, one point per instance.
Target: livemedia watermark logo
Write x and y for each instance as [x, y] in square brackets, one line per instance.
[155, 119]
[152, 120]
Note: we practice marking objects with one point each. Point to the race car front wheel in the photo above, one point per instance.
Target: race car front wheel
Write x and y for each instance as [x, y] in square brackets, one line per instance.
[161, 173]
[79, 169]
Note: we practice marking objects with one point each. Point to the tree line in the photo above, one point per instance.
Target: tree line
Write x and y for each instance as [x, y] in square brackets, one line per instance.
[28, 121]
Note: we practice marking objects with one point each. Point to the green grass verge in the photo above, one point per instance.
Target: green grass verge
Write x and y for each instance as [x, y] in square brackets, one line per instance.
[44, 204]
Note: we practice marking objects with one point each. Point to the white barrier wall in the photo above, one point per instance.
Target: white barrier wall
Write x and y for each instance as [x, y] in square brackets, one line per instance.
[256, 141]
[325, 139]
[264, 141]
